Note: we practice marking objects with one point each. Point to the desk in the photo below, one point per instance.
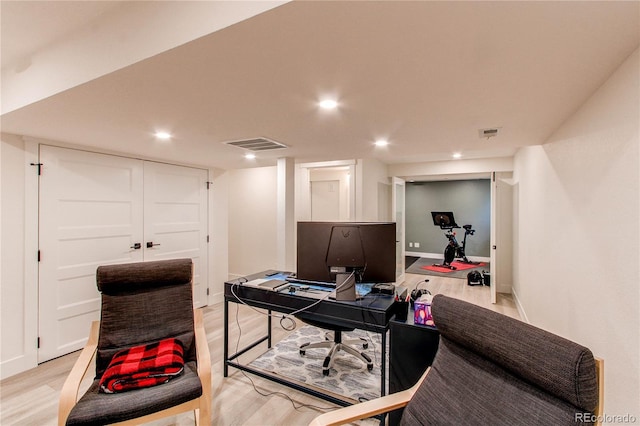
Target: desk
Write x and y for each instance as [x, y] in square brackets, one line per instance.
[372, 313]
[412, 349]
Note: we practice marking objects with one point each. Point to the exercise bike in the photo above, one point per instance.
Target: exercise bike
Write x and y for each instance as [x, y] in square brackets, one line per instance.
[453, 250]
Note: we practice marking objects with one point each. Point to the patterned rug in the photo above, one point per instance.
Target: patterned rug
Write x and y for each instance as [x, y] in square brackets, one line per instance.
[348, 377]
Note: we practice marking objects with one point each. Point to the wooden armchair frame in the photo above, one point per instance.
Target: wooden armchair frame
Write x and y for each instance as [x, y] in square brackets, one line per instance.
[201, 406]
[397, 400]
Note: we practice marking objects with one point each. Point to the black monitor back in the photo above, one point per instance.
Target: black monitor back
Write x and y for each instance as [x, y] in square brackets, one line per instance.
[378, 244]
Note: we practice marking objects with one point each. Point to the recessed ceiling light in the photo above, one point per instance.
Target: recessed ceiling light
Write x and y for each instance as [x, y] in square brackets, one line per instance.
[457, 155]
[381, 142]
[328, 104]
[162, 135]
[250, 156]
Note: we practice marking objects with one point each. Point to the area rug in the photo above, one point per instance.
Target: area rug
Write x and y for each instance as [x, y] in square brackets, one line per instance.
[348, 378]
[419, 267]
[459, 266]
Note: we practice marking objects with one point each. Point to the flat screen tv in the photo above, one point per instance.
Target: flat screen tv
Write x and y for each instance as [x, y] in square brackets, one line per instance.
[366, 248]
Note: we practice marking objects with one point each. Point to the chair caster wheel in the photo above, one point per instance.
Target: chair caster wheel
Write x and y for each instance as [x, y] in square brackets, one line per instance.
[369, 367]
[325, 372]
[302, 352]
[365, 345]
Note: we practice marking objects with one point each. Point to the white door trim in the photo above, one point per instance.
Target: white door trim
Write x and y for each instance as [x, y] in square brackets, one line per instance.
[398, 182]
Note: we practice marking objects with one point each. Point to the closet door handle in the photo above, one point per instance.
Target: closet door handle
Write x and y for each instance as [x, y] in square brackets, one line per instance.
[136, 246]
[150, 244]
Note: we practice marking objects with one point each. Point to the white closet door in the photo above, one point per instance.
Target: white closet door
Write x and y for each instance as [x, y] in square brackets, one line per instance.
[325, 200]
[175, 224]
[90, 214]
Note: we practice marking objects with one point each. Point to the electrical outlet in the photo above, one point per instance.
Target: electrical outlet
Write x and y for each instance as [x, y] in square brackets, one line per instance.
[416, 245]
[410, 244]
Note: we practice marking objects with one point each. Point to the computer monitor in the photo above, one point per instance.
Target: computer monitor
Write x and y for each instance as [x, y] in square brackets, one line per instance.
[366, 249]
[444, 220]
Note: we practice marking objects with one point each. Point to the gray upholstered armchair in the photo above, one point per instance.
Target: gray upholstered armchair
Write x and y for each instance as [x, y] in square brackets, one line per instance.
[142, 303]
[492, 369]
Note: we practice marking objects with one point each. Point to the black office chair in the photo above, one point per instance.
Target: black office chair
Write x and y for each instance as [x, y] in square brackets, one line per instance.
[336, 345]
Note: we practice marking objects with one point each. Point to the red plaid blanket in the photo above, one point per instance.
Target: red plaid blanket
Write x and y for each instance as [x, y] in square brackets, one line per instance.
[143, 366]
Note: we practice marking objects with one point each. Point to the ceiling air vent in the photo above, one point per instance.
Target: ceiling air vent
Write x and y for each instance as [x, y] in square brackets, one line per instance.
[257, 144]
[488, 133]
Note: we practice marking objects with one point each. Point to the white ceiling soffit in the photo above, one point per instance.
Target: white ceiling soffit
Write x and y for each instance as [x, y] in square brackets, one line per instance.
[78, 41]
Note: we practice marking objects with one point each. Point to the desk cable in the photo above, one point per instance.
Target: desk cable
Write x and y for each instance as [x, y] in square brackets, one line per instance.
[282, 318]
[267, 394]
[366, 330]
[288, 316]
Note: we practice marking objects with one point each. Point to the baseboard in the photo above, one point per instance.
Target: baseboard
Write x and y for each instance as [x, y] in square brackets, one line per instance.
[441, 256]
[17, 365]
[422, 254]
[216, 298]
[519, 307]
[233, 276]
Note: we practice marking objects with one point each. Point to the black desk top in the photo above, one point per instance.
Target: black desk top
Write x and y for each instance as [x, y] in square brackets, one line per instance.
[373, 312]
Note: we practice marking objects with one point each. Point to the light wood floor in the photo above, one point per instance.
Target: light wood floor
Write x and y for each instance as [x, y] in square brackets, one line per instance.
[31, 397]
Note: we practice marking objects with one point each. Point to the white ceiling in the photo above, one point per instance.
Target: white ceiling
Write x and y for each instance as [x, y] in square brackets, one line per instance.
[425, 75]
[31, 26]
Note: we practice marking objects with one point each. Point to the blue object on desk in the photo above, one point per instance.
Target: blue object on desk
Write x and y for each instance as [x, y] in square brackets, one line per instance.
[278, 276]
[362, 289]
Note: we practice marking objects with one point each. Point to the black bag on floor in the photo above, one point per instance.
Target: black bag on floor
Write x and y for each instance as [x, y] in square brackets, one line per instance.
[486, 278]
[474, 278]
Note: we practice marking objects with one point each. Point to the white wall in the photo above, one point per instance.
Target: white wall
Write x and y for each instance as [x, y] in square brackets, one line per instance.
[577, 261]
[286, 215]
[373, 191]
[17, 302]
[252, 220]
[219, 234]
[465, 169]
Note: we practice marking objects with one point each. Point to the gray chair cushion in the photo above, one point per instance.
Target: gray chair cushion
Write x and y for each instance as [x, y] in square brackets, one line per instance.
[113, 279]
[557, 365]
[464, 388]
[96, 408]
[135, 311]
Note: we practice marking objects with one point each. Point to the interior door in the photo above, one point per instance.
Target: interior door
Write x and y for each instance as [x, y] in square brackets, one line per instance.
[501, 236]
[325, 200]
[398, 216]
[175, 220]
[91, 214]
[347, 197]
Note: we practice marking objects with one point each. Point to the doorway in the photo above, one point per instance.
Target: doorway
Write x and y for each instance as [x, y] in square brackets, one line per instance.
[327, 191]
[499, 228]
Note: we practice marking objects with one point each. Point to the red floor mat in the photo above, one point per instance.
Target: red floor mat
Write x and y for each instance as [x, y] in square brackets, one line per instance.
[459, 267]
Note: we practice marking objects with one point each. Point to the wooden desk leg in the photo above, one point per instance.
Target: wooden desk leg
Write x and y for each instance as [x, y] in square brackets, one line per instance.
[225, 368]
